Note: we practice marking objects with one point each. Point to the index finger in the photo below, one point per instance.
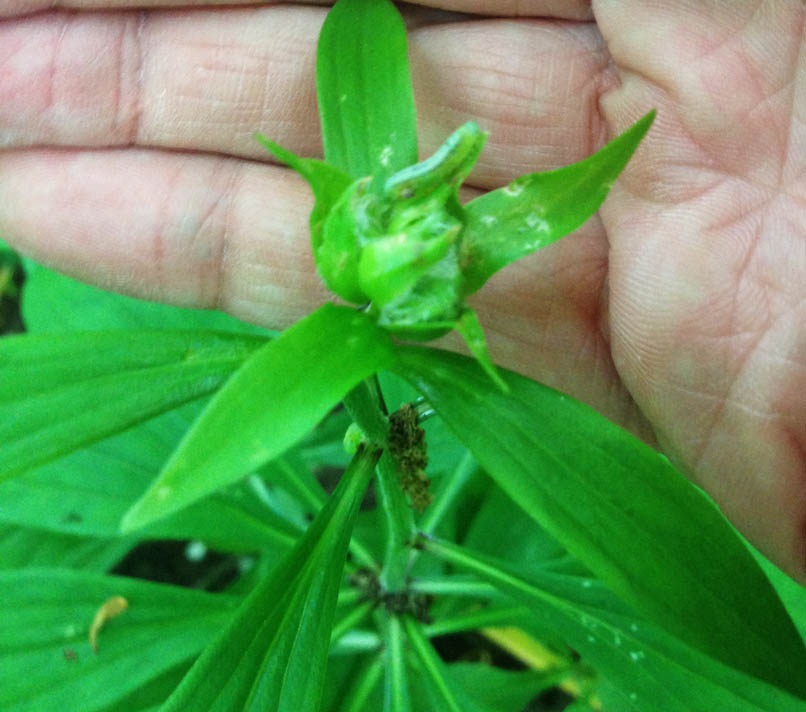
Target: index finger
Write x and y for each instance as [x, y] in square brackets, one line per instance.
[562, 9]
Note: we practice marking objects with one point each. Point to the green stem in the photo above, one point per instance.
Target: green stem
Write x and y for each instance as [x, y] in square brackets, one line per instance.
[395, 688]
[366, 407]
[475, 620]
[349, 596]
[365, 404]
[351, 620]
[359, 693]
[454, 586]
[448, 494]
[357, 642]
[432, 664]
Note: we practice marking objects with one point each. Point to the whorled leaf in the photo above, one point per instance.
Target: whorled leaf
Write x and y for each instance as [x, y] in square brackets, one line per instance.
[62, 392]
[652, 670]
[537, 209]
[280, 393]
[621, 509]
[273, 653]
[363, 85]
[46, 662]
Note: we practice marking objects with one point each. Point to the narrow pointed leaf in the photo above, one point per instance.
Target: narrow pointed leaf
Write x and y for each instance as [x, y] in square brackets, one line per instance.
[396, 695]
[273, 654]
[22, 547]
[621, 509]
[54, 303]
[46, 662]
[654, 671]
[327, 182]
[280, 393]
[87, 492]
[364, 89]
[433, 667]
[537, 209]
[62, 392]
[472, 332]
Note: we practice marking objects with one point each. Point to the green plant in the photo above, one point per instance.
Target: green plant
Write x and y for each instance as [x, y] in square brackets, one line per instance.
[554, 521]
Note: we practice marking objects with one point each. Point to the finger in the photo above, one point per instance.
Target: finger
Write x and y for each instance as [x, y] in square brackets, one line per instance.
[192, 230]
[207, 81]
[568, 9]
[16, 8]
[707, 250]
[216, 232]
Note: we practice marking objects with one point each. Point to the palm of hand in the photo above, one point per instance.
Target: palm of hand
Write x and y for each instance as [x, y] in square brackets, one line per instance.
[675, 312]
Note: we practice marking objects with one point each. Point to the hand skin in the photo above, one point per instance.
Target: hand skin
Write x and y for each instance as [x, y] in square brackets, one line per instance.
[679, 311]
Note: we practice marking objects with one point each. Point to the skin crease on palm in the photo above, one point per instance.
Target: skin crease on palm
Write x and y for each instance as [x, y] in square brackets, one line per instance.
[129, 161]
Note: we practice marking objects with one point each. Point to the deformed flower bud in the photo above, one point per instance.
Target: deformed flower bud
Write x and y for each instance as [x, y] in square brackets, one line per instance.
[396, 246]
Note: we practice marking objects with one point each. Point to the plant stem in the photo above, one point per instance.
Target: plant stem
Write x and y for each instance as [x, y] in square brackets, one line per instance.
[479, 618]
[431, 662]
[366, 407]
[449, 493]
[454, 586]
[395, 687]
[356, 642]
[350, 621]
[357, 697]
[365, 404]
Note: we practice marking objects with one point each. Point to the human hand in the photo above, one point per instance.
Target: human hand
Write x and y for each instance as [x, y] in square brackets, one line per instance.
[129, 160]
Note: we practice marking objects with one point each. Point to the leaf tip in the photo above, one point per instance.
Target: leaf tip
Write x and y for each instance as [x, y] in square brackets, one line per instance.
[145, 510]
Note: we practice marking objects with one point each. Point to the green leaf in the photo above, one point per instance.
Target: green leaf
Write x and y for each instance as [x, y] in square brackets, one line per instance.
[273, 654]
[498, 689]
[472, 332]
[61, 392]
[364, 89]
[327, 182]
[654, 671]
[537, 209]
[280, 393]
[46, 615]
[87, 493]
[54, 303]
[22, 547]
[620, 508]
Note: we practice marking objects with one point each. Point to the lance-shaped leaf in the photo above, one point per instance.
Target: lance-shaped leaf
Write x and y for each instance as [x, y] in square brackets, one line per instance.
[54, 303]
[22, 547]
[273, 654]
[364, 89]
[87, 493]
[621, 509]
[62, 392]
[279, 394]
[46, 662]
[537, 209]
[653, 671]
[327, 182]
